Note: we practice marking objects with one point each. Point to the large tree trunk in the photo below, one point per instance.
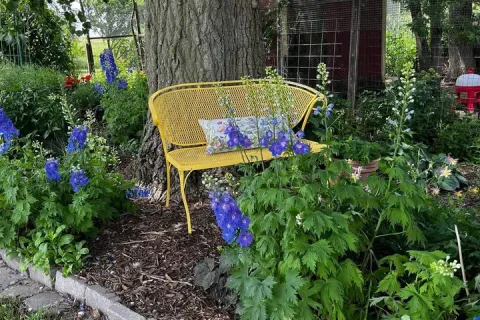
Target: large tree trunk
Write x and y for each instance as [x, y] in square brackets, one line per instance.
[418, 28]
[436, 32]
[195, 41]
[460, 52]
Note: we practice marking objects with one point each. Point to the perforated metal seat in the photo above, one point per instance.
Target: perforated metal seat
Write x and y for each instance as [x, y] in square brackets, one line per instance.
[177, 109]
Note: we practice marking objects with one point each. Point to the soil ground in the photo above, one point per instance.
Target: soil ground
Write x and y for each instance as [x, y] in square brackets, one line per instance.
[148, 260]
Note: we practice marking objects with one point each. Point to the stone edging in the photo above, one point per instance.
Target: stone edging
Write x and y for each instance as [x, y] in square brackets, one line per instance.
[94, 296]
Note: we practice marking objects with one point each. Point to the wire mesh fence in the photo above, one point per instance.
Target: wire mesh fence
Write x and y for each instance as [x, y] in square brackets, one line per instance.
[364, 42]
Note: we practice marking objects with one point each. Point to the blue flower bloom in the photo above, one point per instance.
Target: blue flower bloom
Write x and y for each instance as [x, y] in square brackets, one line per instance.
[78, 179]
[7, 132]
[51, 169]
[245, 239]
[476, 318]
[300, 134]
[317, 110]
[77, 139]
[228, 236]
[138, 192]
[329, 110]
[276, 149]
[108, 65]
[244, 222]
[300, 147]
[228, 214]
[98, 88]
[122, 84]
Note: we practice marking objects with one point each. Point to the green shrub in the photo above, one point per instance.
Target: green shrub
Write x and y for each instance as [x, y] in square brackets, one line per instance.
[401, 50]
[319, 243]
[84, 97]
[44, 35]
[32, 98]
[125, 110]
[49, 206]
[460, 138]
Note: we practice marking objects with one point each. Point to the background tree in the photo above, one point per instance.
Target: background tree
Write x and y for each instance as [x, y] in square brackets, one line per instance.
[461, 37]
[428, 18]
[193, 41]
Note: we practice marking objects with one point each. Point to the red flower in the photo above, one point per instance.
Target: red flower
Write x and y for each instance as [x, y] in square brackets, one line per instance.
[88, 77]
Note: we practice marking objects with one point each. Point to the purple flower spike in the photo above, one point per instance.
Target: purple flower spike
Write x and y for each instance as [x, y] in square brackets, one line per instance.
[245, 239]
[51, 169]
[78, 179]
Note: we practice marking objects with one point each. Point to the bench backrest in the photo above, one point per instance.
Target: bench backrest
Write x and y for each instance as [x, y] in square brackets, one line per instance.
[177, 109]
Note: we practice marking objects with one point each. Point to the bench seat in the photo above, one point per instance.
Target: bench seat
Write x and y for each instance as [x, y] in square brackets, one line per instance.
[187, 159]
[176, 110]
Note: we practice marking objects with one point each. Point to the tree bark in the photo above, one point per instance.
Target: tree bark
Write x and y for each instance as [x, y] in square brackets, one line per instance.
[195, 41]
[460, 52]
[436, 32]
[418, 27]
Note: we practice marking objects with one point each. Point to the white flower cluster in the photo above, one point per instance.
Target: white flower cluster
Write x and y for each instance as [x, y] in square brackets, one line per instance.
[214, 183]
[445, 268]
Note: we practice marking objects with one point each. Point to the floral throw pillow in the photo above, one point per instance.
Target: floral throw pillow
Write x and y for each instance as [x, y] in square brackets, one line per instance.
[225, 135]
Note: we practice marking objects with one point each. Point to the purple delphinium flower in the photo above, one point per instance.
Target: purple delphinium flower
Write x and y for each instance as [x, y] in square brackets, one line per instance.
[98, 88]
[78, 179]
[229, 216]
[138, 192]
[316, 110]
[329, 110]
[245, 239]
[228, 236]
[51, 169]
[108, 65]
[300, 134]
[300, 147]
[77, 139]
[244, 222]
[122, 84]
[7, 131]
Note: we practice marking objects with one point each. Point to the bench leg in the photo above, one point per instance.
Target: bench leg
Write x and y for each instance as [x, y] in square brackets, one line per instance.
[183, 182]
[167, 202]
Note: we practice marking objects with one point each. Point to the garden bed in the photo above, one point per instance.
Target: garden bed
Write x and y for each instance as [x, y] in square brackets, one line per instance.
[148, 260]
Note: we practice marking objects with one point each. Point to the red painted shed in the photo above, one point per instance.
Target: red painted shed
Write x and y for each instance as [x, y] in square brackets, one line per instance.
[347, 35]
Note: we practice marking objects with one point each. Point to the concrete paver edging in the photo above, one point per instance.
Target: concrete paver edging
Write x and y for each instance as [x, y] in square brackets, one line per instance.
[94, 296]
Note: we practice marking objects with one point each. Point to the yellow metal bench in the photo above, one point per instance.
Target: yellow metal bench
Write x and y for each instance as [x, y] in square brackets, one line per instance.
[176, 110]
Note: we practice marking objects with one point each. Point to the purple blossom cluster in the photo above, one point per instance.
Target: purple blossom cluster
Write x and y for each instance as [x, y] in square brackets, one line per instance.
[138, 192]
[279, 143]
[230, 219]
[98, 88]
[77, 139]
[328, 111]
[51, 169]
[78, 179]
[7, 132]
[236, 138]
[108, 65]
[122, 84]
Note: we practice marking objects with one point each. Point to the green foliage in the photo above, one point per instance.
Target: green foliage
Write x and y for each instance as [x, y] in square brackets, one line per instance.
[432, 106]
[401, 50]
[327, 245]
[359, 150]
[84, 98]
[460, 138]
[38, 32]
[31, 96]
[44, 221]
[419, 288]
[125, 111]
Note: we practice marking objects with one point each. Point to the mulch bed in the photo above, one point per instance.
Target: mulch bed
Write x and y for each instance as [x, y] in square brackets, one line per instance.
[148, 260]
